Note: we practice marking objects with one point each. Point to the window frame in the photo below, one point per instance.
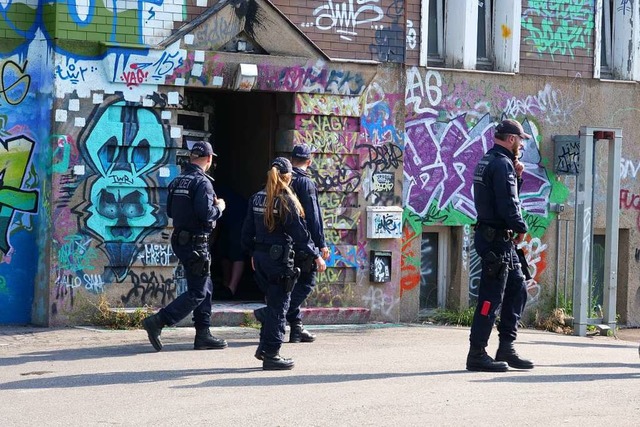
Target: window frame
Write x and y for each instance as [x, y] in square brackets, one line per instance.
[486, 62]
[435, 61]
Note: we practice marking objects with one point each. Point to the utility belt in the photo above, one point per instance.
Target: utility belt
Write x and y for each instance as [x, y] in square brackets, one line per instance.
[490, 234]
[284, 255]
[185, 237]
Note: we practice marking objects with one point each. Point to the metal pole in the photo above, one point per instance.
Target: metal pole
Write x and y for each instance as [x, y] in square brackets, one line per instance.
[558, 227]
[582, 243]
[611, 236]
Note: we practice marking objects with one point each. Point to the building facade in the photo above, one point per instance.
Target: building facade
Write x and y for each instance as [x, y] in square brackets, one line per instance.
[99, 102]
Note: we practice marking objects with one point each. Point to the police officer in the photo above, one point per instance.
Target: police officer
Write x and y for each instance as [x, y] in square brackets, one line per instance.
[194, 208]
[497, 180]
[272, 232]
[307, 193]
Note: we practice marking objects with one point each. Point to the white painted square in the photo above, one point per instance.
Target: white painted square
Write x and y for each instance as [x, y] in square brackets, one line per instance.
[196, 70]
[188, 39]
[146, 102]
[201, 3]
[173, 98]
[79, 122]
[98, 98]
[176, 132]
[78, 170]
[180, 81]
[61, 115]
[74, 105]
[166, 115]
[164, 172]
[218, 80]
[198, 56]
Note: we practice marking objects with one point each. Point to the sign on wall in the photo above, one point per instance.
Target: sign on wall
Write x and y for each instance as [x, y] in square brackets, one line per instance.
[384, 222]
[566, 154]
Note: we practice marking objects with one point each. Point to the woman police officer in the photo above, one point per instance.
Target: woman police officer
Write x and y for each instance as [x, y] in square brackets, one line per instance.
[273, 230]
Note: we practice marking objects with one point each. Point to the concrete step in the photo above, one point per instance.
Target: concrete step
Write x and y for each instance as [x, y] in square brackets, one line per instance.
[241, 313]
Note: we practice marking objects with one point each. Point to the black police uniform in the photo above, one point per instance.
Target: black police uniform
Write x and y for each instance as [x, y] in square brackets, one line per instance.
[307, 193]
[496, 188]
[191, 205]
[273, 264]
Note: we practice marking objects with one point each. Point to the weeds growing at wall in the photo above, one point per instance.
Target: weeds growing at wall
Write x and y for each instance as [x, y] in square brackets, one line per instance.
[100, 312]
[452, 317]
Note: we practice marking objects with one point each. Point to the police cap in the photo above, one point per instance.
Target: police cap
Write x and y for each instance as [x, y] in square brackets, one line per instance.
[512, 127]
[282, 164]
[301, 151]
[202, 149]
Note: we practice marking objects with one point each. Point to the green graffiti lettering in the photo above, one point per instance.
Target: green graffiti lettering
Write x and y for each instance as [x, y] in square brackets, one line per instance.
[15, 155]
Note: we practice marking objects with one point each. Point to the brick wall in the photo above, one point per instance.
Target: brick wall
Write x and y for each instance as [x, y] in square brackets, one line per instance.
[374, 30]
[557, 38]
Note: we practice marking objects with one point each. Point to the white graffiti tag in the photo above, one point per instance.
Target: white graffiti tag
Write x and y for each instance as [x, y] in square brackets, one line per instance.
[344, 17]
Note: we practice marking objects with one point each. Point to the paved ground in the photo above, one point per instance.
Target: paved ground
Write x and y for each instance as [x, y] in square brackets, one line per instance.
[374, 375]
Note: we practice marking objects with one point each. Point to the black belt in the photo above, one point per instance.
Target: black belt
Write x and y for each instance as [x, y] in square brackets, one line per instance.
[265, 247]
[491, 233]
[185, 237]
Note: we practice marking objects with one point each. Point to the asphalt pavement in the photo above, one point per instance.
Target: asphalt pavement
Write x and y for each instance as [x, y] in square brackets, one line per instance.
[358, 375]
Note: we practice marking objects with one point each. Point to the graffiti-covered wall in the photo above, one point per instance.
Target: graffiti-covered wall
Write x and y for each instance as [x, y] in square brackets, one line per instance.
[89, 102]
[25, 98]
[450, 120]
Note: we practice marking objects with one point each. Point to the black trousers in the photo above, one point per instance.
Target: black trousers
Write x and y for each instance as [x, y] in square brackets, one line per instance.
[507, 291]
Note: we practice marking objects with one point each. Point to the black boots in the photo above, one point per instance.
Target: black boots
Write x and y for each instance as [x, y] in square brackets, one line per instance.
[153, 325]
[479, 360]
[506, 353]
[300, 334]
[205, 341]
[275, 362]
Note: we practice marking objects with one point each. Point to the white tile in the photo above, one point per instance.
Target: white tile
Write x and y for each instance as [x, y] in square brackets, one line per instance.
[98, 98]
[198, 56]
[79, 122]
[166, 115]
[179, 81]
[173, 98]
[188, 39]
[196, 70]
[218, 80]
[61, 115]
[176, 132]
[74, 105]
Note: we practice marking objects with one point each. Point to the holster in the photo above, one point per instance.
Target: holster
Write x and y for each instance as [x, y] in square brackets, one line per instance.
[199, 263]
[289, 279]
[304, 262]
[493, 266]
[525, 265]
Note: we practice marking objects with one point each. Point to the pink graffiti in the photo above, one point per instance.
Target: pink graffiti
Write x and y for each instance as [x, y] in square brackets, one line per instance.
[135, 77]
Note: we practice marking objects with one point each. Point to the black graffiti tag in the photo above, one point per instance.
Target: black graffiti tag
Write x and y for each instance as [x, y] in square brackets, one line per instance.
[148, 286]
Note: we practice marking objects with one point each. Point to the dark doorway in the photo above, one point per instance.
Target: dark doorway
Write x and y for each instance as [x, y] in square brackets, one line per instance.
[241, 128]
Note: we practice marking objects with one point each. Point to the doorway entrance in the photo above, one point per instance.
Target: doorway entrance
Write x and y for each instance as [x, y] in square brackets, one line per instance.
[241, 127]
[433, 277]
